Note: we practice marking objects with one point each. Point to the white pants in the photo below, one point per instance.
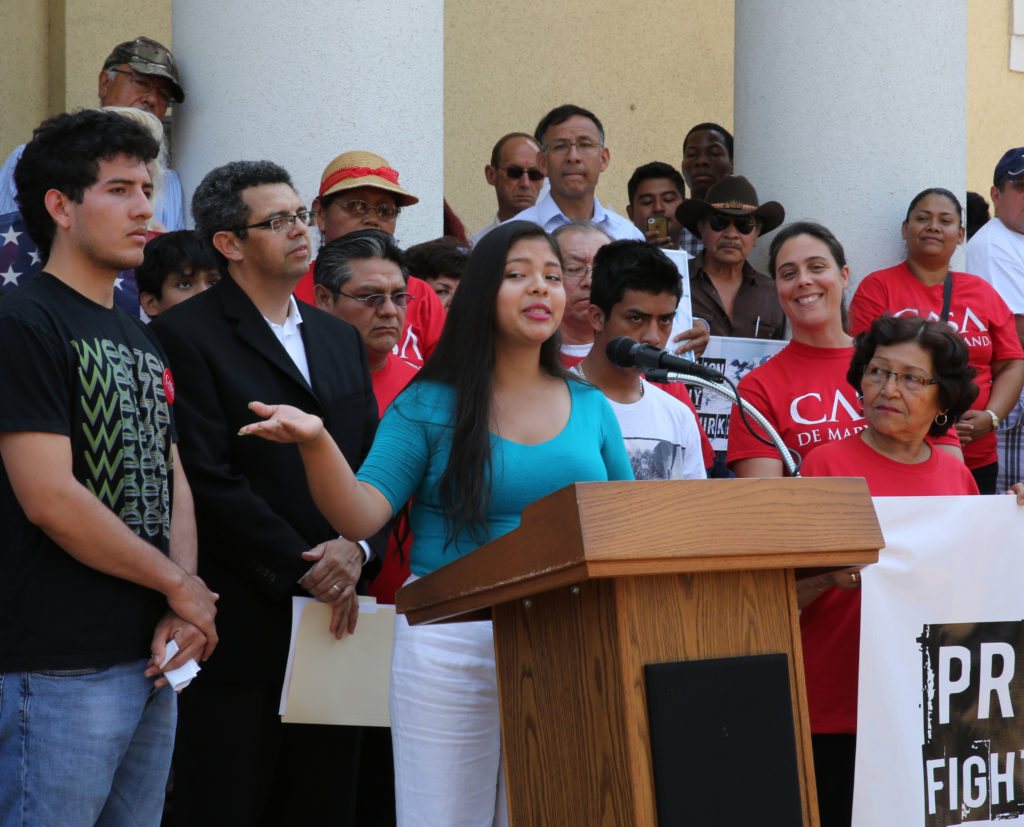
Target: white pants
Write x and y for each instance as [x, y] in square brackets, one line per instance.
[446, 727]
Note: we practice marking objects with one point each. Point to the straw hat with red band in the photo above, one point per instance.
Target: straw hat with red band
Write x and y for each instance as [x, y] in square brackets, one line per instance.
[733, 195]
[363, 169]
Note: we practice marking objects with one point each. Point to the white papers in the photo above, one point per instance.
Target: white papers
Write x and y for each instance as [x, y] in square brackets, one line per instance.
[341, 682]
[182, 676]
[684, 312]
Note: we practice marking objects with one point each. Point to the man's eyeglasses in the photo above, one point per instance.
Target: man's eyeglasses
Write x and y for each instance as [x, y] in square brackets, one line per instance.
[879, 377]
[515, 172]
[577, 271]
[583, 146]
[386, 212]
[280, 222]
[377, 299]
[744, 224]
[144, 86]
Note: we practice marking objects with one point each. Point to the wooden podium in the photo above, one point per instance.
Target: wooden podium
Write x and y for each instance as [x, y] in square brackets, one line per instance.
[601, 579]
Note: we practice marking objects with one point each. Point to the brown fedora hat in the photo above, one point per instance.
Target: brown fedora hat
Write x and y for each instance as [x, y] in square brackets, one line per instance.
[733, 195]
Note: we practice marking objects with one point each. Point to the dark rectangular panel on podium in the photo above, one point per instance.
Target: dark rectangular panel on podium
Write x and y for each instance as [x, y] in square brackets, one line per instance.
[722, 742]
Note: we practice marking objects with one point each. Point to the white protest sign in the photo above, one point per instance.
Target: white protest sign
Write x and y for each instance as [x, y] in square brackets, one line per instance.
[940, 729]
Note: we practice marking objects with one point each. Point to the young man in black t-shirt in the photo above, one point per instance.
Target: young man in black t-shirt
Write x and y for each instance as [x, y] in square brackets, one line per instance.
[97, 566]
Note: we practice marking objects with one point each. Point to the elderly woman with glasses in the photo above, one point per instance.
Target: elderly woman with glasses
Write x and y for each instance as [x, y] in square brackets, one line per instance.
[915, 379]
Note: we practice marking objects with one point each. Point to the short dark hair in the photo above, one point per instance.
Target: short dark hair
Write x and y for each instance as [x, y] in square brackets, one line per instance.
[64, 154]
[333, 263]
[560, 114]
[504, 139]
[977, 213]
[711, 127]
[445, 256]
[917, 199]
[173, 253]
[950, 360]
[655, 169]
[217, 203]
[631, 265]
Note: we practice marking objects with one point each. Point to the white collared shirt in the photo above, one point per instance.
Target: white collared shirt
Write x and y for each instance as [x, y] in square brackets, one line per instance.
[548, 214]
[290, 337]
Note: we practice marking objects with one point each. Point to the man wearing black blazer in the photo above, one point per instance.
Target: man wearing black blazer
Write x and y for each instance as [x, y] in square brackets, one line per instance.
[261, 538]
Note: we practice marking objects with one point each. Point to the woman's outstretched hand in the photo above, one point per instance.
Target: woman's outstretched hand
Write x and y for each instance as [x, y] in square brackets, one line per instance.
[283, 423]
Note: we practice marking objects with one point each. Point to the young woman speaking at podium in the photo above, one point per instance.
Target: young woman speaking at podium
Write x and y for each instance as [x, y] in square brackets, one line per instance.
[491, 423]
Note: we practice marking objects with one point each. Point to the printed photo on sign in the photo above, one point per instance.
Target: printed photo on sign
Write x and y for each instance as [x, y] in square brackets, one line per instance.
[972, 741]
[655, 459]
[733, 357]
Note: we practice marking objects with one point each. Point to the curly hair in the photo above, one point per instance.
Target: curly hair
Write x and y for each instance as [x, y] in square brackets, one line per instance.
[953, 374]
[64, 155]
[217, 203]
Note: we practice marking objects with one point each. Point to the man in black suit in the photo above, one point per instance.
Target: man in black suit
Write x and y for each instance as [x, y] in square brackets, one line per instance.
[261, 538]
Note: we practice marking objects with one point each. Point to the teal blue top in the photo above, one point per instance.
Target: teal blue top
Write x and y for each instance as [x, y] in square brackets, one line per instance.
[411, 451]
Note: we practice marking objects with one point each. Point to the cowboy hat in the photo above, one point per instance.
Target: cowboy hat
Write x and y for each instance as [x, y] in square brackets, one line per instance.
[733, 195]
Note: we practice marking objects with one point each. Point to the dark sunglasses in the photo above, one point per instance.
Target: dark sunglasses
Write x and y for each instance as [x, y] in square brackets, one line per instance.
[744, 225]
[515, 172]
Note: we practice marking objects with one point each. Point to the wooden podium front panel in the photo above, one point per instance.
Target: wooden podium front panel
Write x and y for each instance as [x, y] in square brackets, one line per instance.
[564, 722]
[570, 669]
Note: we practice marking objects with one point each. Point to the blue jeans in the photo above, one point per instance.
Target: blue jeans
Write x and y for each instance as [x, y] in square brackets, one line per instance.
[84, 746]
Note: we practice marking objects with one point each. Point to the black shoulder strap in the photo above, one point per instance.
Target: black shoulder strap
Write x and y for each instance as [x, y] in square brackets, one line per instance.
[947, 295]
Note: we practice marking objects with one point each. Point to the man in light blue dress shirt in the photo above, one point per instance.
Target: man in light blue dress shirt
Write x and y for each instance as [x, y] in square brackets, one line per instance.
[573, 156]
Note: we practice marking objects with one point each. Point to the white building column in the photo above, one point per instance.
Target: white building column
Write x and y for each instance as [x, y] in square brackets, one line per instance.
[299, 83]
[845, 111]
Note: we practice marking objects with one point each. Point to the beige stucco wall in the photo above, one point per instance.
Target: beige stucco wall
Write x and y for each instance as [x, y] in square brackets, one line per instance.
[649, 71]
[53, 51]
[995, 95]
[23, 70]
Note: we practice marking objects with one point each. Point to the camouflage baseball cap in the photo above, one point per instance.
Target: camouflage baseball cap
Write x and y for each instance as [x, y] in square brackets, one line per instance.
[147, 57]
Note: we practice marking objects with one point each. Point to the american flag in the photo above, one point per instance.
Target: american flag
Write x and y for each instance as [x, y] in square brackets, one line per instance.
[19, 259]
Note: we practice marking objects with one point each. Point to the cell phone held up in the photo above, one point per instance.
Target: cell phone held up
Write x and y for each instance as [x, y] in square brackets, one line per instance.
[658, 223]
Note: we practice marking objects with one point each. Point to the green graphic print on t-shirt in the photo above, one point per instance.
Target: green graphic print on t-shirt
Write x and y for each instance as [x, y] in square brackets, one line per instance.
[124, 420]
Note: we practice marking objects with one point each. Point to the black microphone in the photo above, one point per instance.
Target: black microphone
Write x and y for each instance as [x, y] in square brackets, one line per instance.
[628, 353]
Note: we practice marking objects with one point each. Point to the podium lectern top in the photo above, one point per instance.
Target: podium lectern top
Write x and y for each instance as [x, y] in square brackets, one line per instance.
[579, 532]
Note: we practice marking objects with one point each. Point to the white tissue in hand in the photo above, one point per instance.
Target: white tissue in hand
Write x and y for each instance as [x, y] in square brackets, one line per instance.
[182, 676]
